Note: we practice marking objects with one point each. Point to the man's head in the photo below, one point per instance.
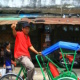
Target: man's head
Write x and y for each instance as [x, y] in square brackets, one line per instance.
[25, 27]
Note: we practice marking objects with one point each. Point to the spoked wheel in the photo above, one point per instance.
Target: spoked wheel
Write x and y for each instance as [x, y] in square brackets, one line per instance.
[72, 72]
[10, 76]
[66, 78]
[62, 63]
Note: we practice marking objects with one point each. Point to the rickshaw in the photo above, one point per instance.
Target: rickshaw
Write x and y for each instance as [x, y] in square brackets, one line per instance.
[54, 71]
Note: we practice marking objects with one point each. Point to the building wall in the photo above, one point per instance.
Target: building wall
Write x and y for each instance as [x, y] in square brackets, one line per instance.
[6, 34]
[57, 32]
[39, 3]
[69, 33]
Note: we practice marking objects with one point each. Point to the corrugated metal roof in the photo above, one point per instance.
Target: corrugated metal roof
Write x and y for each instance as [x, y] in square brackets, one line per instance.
[73, 21]
[6, 22]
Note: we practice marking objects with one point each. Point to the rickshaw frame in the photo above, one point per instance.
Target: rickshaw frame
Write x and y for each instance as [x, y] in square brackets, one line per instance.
[68, 73]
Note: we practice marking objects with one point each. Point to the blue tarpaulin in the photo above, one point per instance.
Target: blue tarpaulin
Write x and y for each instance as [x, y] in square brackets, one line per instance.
[28, 15]
[61, 44]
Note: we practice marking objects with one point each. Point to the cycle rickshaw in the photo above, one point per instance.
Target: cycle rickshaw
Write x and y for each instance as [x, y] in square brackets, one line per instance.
[54, 72]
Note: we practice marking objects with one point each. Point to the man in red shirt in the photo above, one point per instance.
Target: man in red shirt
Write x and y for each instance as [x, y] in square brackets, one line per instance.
[22, 44]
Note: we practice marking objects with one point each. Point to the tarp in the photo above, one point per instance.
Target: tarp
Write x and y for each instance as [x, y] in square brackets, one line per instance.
[9, 18]
[61, 44]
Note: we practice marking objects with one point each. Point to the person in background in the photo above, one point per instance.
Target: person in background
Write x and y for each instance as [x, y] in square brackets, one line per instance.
[2, 55]
[7, 57]
[2, 51]
[22, 44]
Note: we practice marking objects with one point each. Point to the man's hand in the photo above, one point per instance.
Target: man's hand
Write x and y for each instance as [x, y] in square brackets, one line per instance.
[39, 53]
[13, 26]
[4, 66]
[33, 50]
[13, 62]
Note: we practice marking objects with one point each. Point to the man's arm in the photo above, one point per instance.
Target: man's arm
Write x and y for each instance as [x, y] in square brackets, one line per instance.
[13, 26]
[34, 50]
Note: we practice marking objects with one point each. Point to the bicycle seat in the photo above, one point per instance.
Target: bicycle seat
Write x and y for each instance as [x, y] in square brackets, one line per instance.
[53, 70]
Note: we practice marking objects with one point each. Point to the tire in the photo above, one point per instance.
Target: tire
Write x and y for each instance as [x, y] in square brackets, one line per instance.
[62, 62]
[66, 78]
[10, 76]
[72, 72]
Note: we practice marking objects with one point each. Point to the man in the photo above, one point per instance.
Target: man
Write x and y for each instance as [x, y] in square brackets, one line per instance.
[22, 43]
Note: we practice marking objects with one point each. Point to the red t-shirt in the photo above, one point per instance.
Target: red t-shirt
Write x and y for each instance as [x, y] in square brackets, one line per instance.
[22, 43]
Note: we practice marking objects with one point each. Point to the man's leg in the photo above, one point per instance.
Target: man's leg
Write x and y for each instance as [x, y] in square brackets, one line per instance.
[26, 62]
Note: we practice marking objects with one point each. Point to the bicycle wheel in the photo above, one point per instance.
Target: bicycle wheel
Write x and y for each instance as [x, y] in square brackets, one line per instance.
[11, 76]
[66, 78]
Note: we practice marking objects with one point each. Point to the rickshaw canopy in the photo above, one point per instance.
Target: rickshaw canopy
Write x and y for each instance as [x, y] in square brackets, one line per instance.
[63, 45]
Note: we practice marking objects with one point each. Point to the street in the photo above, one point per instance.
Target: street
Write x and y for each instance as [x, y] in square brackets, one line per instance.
[38, 74]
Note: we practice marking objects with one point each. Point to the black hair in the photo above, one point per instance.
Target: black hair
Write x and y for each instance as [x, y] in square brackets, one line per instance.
[24, 24]
[6, 44]
[20, 25]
